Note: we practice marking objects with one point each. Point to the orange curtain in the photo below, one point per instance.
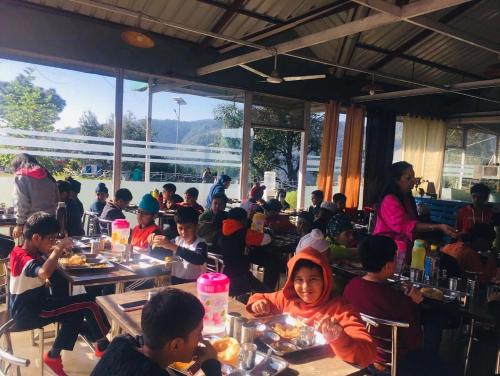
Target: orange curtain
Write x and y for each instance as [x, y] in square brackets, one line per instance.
[328, 149]
[350, 175]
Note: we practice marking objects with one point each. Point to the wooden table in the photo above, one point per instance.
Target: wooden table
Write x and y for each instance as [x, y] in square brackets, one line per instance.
[312, 363]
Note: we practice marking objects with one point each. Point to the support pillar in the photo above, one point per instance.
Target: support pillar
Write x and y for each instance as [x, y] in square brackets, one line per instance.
[118, 131]
[245, 145]
[147, 164]
[304, 151]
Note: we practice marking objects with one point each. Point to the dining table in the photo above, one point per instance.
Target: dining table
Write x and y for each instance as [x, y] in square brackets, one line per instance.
[314, 362]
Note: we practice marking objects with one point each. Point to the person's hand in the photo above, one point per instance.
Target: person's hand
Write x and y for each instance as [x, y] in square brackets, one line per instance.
[160, 241]
[62, 246]
[415, 295]
[449, 231]
[205, 352]
[330, 328]
[17, 231]
[261, 307]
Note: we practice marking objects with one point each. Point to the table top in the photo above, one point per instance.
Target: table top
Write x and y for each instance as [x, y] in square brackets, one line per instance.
[313, 363]
[7, 219]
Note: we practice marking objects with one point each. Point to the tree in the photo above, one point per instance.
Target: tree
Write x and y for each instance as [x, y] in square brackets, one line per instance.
[232, 118]
[26, 106]
[89, 125]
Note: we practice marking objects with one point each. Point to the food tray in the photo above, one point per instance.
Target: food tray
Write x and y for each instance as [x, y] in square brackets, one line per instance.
[273, 366]
[282, 345]
[92, 263]
[143, 264]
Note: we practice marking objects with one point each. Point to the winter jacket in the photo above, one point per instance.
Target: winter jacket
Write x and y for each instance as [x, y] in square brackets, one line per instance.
[218, 187]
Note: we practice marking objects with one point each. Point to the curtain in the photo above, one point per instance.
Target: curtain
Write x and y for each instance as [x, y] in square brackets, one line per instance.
[379, 150]
[328, 149]
[423, 147]
[350, 176]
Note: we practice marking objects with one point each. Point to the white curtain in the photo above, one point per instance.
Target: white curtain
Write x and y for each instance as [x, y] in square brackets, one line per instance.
[423, 147]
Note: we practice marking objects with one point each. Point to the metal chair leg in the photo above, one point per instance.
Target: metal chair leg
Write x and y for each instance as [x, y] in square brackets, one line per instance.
[469, 346]
[41, 341]
[497, 368]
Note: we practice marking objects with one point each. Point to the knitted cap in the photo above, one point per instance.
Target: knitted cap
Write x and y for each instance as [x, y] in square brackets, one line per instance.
[76, 186]
[101, 188]
[314, 239]
[149, 203]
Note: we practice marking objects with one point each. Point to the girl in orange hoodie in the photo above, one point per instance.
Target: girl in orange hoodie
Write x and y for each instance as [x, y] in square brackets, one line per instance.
[308, 295]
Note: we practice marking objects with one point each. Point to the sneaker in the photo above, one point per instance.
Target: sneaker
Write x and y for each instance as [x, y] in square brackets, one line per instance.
[55, 364]
[98, 353]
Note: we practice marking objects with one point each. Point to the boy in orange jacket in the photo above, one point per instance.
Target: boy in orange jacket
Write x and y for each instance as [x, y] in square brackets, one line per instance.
[308, 295]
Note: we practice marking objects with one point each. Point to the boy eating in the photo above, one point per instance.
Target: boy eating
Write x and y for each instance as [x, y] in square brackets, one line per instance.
[101, 193]
[190, 197]
[114, 209]
[74, 225]
[188, 246]
[171, 323]
[308, 296]
[31, 305]
[146, 214]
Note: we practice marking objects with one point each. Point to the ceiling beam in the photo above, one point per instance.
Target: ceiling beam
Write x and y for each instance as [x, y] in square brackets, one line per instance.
[245, 12]
[313, 15]
[222, 21]
[428, 63]
[341, 31]
[455, 88]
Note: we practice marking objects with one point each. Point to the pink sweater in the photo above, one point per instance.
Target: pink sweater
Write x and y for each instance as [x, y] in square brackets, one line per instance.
[395, 222]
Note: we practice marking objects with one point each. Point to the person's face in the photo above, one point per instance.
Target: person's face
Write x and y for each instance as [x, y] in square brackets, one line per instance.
[479, 199]
[190, 200]
[44, 243]
[227, 184]
[308, 284]
[63, 196]
[218, 205]
[340, 205]
[407, 181]
[316, 200]
[122, 204]
[389, 268]
[73, 194]
[167, 195]
[185, 349]
[187, 231]
[303, 226]
[271, 213]
[346, 238]
[144, 218]
[101, 196]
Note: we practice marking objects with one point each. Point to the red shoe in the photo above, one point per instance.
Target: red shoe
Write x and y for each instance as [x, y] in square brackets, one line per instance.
[98, 353]
[55, 364]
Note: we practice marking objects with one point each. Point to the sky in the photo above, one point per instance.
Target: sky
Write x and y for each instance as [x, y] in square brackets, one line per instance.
[84, 91]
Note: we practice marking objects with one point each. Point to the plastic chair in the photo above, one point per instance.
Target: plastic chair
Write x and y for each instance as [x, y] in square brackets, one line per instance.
[393, 341]
[215, 263]
[91, 223]
[105, 226]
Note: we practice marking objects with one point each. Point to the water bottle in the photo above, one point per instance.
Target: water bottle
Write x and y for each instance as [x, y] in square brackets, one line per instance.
[417, 260]
[213, 293]
[120, 232]
[62, 219]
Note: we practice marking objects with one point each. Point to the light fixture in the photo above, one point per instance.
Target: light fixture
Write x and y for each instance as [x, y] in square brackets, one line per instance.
[372, 88]
[137, 37]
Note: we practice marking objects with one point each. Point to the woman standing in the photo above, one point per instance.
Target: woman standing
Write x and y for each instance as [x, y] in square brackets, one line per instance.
[34, 190]
[397, 213]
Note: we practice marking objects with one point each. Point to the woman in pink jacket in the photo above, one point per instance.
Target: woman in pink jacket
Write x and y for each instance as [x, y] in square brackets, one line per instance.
[397, 213]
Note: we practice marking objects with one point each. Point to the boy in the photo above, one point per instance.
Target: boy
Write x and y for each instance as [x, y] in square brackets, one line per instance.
[279, 224]
[466, 252]
[477, 212]
[342, 241]
[171, 323]
[189, 247]
[190, 197]
[323, 216]
[101, 192]
[76, 186]
[220, 186]
[210, 227]
[307, 295]
[31, 306]
[254, 199]
[235, 238]
[114, 209]
[316, 200]
[304, 223]
[74, 225]
[146, 227]
[168, 199]
[314, 239]
[372, 295]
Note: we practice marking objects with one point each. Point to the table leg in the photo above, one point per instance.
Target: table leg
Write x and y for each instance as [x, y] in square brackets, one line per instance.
[115, 328]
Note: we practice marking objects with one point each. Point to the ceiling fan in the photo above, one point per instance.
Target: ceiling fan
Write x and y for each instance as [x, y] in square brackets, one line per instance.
[276, 78]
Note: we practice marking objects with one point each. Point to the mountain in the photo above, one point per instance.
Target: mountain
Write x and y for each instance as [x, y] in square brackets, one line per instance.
[199, 132]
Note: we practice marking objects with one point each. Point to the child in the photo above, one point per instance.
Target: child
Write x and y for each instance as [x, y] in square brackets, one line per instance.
[316, 200]
[210, 227]
[101, 192]
[146, 214]
[114, 209]
[479, 239]
[323, 216]
[171, 323]
[307, 295]
[31, 306]
[477, 212]
[190, 197]
[74, 225]
[220, 186]
[254, 199]
[168, 199]
[34, 190]
[189, 247]
[372, 295]
[279, 224]
[76, 186]
[235, 238]
[343, 241]
[304, 223]
[314, 239]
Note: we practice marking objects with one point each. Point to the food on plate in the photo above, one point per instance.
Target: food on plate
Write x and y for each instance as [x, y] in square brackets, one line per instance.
[227, 349]
[74, 260]
[432, 293]
[287, 331]
[181, 366]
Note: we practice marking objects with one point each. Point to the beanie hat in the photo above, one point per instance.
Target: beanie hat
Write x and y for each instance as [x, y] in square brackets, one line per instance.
[314, 239]
[101, 188]
[149, 203]
[76, 186]
[329, 206]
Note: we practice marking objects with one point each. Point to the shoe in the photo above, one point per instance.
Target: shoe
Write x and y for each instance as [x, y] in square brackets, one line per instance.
[98, 353]
[55, 364]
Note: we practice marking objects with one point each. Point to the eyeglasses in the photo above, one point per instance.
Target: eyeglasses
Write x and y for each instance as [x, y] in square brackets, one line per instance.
[143, 212]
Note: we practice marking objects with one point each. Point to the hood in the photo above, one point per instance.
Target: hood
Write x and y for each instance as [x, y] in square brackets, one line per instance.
[230, 226]
[36, 172]
[312, 255]
[223, 179]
